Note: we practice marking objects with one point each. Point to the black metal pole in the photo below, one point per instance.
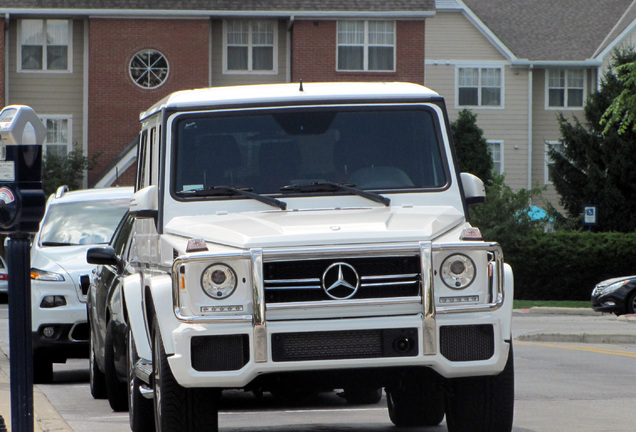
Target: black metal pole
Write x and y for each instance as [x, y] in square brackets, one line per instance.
[20, 344]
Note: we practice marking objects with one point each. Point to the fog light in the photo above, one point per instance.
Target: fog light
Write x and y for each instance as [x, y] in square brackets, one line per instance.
[48, 332]
[52, 301]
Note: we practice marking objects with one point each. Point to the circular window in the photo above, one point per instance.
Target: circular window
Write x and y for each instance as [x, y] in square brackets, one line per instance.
[149, 69]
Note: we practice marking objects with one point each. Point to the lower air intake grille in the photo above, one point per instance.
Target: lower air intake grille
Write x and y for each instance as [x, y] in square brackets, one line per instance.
[468, 342]
[220, 353]
[338, 345]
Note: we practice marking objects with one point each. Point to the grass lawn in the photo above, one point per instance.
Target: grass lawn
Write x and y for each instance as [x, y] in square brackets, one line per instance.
[527, 304]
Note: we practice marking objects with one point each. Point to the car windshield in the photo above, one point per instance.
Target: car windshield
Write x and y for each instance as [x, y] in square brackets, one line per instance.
[82, 223]
[369, 148]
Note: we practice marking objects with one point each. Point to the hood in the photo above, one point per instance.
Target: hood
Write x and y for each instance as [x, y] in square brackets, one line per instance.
[319, 227]
[72, 259]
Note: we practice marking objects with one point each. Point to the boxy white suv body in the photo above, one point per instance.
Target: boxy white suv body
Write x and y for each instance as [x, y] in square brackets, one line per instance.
[60, 276]
[295, 238]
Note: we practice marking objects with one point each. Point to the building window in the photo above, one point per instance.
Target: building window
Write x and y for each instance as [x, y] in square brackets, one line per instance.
[250, 46]
[496, 153]
[566, 88]
[44, 45]
[366, 46]
[479, 86]
[149, 69]
[556, 145]
[58, 135]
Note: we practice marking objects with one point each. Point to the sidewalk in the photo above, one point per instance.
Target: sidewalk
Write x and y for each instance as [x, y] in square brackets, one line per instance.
[45, 416]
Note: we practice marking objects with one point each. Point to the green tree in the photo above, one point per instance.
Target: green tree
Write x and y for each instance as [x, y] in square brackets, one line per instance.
[621, 113]
[65, 170]
[471, 146]
[595, 164]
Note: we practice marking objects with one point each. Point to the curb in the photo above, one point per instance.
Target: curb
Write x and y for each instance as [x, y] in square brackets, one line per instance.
[45, 416]
[588, 338]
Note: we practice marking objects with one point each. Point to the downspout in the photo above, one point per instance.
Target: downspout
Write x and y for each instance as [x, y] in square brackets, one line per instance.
[86, 88]
[7, 20]
[288, 62]
[530, 75]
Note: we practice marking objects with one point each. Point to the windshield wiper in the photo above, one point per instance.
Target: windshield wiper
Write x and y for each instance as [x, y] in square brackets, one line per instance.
[327, 186]
[227, 191]
[53, 243]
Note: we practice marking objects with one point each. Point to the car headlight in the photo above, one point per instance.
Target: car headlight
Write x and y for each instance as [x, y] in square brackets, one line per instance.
[43, 275]
[458, 271]
[218, 281]
[599, 290]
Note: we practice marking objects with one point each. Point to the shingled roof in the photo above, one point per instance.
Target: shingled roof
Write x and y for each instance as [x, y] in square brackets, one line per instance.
[298, 7]
[553, 30]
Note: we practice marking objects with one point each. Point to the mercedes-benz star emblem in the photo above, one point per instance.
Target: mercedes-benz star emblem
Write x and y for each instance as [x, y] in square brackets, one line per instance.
[340, 281]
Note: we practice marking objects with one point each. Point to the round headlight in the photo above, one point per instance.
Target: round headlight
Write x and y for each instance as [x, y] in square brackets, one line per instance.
[458, 271]
[218, 281]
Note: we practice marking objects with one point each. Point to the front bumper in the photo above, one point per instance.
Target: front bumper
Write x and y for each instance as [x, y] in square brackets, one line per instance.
[223, 356]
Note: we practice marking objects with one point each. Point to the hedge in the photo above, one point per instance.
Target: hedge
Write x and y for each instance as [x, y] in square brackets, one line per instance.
[565, 265]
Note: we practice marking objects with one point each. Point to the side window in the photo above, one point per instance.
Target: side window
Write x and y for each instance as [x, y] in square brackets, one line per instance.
[479, 87]
[250, 46]
[558, 146]
[58, 135]
[565, 88]
[155, 137]
[44, 45]
[366, 46]
[141, 160]
[496, 153]
[122, 236]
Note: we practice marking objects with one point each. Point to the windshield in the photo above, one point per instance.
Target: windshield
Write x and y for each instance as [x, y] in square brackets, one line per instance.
[82, 223]
[376, 147]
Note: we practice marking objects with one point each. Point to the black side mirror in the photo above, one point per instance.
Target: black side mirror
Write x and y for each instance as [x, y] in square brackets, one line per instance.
[103, 255]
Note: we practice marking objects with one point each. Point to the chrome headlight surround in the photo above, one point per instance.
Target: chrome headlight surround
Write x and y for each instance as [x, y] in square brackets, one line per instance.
[458, 271]
[219, 281]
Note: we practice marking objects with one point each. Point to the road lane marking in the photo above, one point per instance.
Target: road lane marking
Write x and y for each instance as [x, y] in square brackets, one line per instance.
[313, 411]
[577, 348]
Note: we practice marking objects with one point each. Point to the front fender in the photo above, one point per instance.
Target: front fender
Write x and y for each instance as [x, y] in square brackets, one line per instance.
[133, 299]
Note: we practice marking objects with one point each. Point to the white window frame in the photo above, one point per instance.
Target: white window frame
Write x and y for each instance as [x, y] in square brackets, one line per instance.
[500, 144]
[69, 132]
[548, 160]
[479, 86]
[44, 69]
[565, 88]
[366, 44]
[250, 45]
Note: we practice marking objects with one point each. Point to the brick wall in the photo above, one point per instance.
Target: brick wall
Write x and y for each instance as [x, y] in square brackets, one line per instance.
[115, 101]
[314, 54]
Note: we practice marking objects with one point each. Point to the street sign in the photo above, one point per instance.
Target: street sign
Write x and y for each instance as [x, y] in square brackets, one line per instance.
[590, 215]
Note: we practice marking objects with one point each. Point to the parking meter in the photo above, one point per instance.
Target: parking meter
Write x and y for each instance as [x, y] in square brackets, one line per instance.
[21, 197]
[21, 209]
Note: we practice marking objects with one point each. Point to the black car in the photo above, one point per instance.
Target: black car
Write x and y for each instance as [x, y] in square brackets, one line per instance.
[109, 350]
[617, 295]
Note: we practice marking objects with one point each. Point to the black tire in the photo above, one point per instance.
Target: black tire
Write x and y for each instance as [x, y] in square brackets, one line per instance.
[419, 403]
[96, 379]
[140, 409]
[116, 390]
[179, 409]
[631, 303]
[482, 404]
[363, 395]
[42, 369]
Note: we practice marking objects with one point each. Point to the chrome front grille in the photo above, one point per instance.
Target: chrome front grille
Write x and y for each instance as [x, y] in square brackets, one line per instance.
[379, 278]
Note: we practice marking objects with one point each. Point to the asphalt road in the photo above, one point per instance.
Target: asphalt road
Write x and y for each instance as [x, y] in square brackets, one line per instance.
[559, 387]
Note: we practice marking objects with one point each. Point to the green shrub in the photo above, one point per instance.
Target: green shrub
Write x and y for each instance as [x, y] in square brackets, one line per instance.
[565, 265]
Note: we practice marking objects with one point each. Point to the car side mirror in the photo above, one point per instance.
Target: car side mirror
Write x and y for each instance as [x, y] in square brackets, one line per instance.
[103, 255]
[474, 190]
[144, 203]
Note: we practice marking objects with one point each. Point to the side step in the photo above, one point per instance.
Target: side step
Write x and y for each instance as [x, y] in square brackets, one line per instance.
[143, 371]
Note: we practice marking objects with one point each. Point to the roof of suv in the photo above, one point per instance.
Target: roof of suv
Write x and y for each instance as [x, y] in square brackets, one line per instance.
[292, 93]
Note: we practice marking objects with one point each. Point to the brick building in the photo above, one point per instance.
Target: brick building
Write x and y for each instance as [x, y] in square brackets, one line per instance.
[89, 67]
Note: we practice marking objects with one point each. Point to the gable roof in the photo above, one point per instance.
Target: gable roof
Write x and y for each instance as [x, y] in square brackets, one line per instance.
[549, 30]
[406, 8]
